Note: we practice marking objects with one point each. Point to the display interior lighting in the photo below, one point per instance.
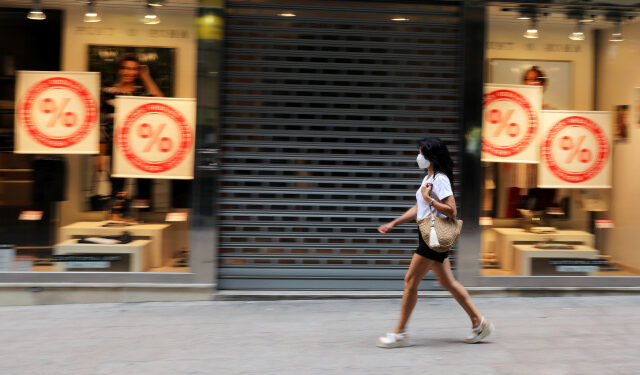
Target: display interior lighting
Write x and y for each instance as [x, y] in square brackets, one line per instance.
[287, 14]
[156, 3]
[399, 19]
[151, 18]
[616, 35]
[36, 12]
[91, 15]
[527, 13]
[578, 32]
[532, 30]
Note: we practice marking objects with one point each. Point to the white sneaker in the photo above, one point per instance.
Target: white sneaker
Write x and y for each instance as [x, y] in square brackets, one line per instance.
[479, 333]
[393, 340]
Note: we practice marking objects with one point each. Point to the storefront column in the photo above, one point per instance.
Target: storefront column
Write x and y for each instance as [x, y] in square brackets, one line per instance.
[474, 39]
[210, 24]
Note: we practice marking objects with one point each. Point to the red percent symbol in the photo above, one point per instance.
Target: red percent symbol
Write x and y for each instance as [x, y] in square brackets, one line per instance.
[48, 106]
[57, 112]
[146, 131]
[576, 152]
[495, 117]
[154, 137]
[567, 144]
[503, 121]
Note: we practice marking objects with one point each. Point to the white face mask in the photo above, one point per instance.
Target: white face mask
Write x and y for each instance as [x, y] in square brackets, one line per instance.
[422, 162]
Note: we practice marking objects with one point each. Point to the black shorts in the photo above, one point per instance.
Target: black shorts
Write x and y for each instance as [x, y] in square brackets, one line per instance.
[427, 252]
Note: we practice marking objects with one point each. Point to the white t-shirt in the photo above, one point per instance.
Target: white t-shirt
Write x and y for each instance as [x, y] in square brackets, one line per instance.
[441, 189]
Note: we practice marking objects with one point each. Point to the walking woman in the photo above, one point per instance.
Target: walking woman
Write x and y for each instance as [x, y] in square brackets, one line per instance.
[435, 194]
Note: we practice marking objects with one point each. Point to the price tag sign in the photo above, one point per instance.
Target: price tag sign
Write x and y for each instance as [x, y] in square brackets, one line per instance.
[510, 123]
[154, 137]
[575, 150]
[57, 112]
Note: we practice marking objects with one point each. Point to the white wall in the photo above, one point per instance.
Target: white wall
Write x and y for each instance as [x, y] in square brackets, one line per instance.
[505, 41]
[122, 26]
[618, 74]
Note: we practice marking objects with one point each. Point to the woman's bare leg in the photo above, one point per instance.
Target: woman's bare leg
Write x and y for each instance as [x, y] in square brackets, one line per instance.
[417, 270]
[446, 279]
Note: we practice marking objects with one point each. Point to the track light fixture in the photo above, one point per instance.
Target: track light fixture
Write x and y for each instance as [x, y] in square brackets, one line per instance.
[527, 13]
[617, 18]
[578, 32]
[151, 17]
[616, 35]
[581, 18]
[91, 15]
[532, 30]
[36, 12]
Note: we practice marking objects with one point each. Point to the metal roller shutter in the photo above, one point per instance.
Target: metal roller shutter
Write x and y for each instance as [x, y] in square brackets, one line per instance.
[321, 117]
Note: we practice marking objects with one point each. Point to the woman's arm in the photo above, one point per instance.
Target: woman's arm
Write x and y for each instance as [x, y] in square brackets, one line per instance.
[406, 217]
[148, 82]
[447, 207]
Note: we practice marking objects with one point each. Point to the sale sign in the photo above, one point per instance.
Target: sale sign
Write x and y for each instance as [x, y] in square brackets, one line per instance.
[154, 137]
[57, 112]
[510, 123]
[575, 150]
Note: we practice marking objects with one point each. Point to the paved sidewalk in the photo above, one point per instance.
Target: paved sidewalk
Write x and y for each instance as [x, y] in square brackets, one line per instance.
[549, 336]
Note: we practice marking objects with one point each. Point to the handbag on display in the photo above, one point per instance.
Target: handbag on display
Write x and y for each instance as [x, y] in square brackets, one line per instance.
[99, 198]
[440, 234]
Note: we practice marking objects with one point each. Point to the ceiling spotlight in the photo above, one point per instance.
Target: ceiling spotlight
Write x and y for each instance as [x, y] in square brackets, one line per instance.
[287, 14]
[616, 35]
[36, 12]
[399, 19]
[151, 18]
[532, 30]
[527, 13]
[578, 32]
[91, 15]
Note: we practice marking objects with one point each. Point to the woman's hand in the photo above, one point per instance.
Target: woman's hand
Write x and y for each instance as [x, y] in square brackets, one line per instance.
[426, 191]
[149, 84]
[144, 73]
[385, 228]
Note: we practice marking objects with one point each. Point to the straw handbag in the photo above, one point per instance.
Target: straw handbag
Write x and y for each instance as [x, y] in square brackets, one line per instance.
[438, 233]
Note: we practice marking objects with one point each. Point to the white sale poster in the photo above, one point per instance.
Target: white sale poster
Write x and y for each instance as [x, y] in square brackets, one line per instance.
[154, 137]
[575, 150]
[510, 123]
[57, 112]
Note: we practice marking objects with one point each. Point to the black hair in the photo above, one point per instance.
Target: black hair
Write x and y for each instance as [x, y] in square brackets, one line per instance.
[437, 153]
[540, 76]
[127, 57]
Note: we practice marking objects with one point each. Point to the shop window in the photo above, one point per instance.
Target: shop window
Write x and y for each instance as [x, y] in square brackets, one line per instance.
[74, 210]
[559, 203]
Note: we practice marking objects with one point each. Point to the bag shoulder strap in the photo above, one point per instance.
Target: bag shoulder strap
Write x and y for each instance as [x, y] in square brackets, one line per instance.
[431, 208]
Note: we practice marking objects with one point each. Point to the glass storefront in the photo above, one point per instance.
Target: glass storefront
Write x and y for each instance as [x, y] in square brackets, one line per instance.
[112, 115]
[98, 136]
[567, 208]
